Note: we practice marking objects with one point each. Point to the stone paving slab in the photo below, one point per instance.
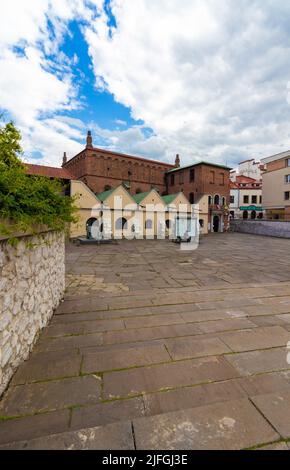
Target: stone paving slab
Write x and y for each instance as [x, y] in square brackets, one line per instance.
[147, 334]
[116, 436]
[161, 377]
[123, 358]
[257, 338]
[30, 427]
[226, 325]
[105, 413]
[49, 396]
[275, 407]
[257, 362]
[48, 365]
[69, 342]
[185, 348]
[68, 329]
[191, 397]
[153, 320]
[262, 384]
[221, 426]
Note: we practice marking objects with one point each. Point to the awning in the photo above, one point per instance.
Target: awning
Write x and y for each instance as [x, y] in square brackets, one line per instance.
[251, 208]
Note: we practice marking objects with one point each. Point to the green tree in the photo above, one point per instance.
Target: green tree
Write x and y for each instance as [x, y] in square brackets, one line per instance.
[28, 202]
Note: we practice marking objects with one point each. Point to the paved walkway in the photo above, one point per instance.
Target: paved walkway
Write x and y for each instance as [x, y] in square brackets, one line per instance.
[157, 348]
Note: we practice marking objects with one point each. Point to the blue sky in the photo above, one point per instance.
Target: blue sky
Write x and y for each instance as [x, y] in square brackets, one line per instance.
[209, 80]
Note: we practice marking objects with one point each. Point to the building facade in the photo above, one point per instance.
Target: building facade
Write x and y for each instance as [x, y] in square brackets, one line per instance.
[201, 179]
[246, 198]
[102, 172]
[276, 186]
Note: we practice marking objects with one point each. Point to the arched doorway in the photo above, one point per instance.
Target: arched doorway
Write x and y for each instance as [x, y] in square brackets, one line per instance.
[121, 224]
[245, 215]
[253, 215]
[216, 223]
[92, 228]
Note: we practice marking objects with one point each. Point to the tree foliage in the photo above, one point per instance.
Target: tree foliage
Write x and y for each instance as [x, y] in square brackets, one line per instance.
[28, 202]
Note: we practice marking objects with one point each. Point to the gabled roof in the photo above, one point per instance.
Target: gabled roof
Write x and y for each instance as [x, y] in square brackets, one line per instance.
[169, 198]
[140, 196]
[48, 171]
[246, 179]
[196, 164]
[105, 194]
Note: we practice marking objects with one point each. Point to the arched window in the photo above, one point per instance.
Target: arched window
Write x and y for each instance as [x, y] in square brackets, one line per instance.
[217, 199]
[224, 201]
[168, 224]
[201, 223]
[148, 224]
[191, 198]
[253, 215]
[209, 200]
[121, 224]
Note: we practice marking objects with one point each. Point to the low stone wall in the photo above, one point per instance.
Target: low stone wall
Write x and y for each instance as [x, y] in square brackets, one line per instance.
[32, 283]
[262, 227]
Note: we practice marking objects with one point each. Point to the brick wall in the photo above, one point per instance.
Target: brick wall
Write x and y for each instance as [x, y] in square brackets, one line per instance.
[99, 169]
[202, 184]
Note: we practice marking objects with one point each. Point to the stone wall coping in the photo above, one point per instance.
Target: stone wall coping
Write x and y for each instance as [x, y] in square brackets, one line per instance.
[40, 231]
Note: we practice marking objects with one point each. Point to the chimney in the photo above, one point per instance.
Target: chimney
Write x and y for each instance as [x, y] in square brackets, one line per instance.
[177, 161]
[89, 140]
[64, 159]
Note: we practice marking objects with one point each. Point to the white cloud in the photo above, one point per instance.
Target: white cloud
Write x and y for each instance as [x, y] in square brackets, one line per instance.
[210, 77]
[33, 86]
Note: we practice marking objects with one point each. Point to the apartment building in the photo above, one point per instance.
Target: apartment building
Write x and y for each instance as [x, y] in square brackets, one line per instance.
[246, 198]
[276, 186]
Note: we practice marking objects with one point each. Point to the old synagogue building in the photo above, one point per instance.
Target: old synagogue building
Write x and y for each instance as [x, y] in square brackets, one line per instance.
[103, 172]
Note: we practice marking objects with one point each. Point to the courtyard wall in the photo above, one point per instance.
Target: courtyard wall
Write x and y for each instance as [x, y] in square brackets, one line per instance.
[32, 283]
[262, 227]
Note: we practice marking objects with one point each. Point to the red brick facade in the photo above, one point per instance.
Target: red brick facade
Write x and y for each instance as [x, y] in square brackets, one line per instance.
[102, 170]
[199, 179]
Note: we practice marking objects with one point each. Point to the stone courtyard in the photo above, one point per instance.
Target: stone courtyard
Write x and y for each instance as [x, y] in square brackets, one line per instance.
[158, 348]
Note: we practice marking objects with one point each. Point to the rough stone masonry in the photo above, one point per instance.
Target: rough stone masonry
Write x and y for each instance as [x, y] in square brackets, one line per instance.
[32, 283]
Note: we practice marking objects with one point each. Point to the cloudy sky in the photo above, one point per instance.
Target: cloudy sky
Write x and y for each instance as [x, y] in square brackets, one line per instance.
[208, 79]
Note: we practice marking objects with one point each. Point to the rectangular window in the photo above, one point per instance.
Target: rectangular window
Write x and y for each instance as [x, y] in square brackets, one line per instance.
[222, 183]
[181, 178]
[191, 175]
[232, 199]
[172, 180]
[287, 179]
[287, 162]
[261, 199]
[211, 180]
[254, 199]
[287, 195]
[246, 199]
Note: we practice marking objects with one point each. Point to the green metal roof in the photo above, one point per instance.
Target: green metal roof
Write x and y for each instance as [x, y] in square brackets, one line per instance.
[169, 198]
[140, 196]
[103, 196]
[198, 163]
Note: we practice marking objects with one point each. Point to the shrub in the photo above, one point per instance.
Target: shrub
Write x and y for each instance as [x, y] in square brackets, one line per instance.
[28, 202]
